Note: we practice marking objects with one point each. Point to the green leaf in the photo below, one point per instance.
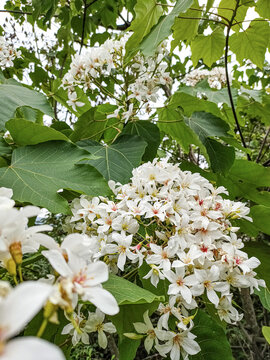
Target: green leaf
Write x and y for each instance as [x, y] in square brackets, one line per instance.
[5, 149]
[125, 292]
[149, 133]
[25, 132]
[37, 172]
[205, 124]
[264, 295]
[212, 339]
[13, 97]
[147, 15]
[90, 125]
[163, 28]
[186, 29]
[190, 103]
[116, 161]
[226, 9]
[251, 173]
[263, 8]
[261, 216]
[266, 333]
[221, 157]
[261, 251]
[252, 43]
[171, 121]
[209, 48]
[213, 95]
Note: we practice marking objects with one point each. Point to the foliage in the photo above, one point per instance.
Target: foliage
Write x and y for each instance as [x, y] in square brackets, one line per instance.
[91, 89]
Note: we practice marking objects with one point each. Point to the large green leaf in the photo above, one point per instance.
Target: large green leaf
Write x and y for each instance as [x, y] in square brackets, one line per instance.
[211, 338]
[91, 124]
[148, 132]
[252, 43]
[186, 29]
[263, 8]
[147, 15]
[205, 124]
[221, 156]
[261, 216]
[226, 9]
[171, 121]
[163, 28]
[116, 161]
[262, 252]
[13, 97]
[190, 103]
[26, 132]
[37, 173]
[209, 48]
[125, 292]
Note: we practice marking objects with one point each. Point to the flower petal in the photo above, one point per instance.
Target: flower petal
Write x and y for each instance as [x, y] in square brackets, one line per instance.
[31, 348]
[21, 305]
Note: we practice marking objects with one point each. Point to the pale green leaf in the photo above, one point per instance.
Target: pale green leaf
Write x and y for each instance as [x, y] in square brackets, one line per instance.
[226, 9]
[266, 333]
[125, 292]
[37, 173]
[147, 15]
[163, 28]
[252, 43]
[263, 8]
[264, 295]
[208, 48]
[186, 29]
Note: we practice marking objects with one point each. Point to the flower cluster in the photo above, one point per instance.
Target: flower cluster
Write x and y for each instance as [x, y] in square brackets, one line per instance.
[139, 81]
[7, 53]
[78, 277]
[177, 225]
[216, 77]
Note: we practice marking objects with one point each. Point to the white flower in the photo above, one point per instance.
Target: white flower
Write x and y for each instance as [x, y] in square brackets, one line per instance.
[177, 343]
[179, 283]
[83, 279]
[16, 310]
[95, 323]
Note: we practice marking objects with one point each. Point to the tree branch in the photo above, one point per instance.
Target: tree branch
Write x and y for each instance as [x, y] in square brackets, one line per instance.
[228, 79]
[262, 146]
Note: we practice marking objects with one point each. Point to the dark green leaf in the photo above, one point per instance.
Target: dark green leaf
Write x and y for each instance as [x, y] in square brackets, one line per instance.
[211, 338]
[25, 132]
[13, 97]
[116, 161]
[261, 251]
[37, 172]
[148, 132]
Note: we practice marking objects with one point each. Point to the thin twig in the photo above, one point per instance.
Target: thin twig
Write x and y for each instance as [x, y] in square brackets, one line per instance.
[228, 79]
[262, 146]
